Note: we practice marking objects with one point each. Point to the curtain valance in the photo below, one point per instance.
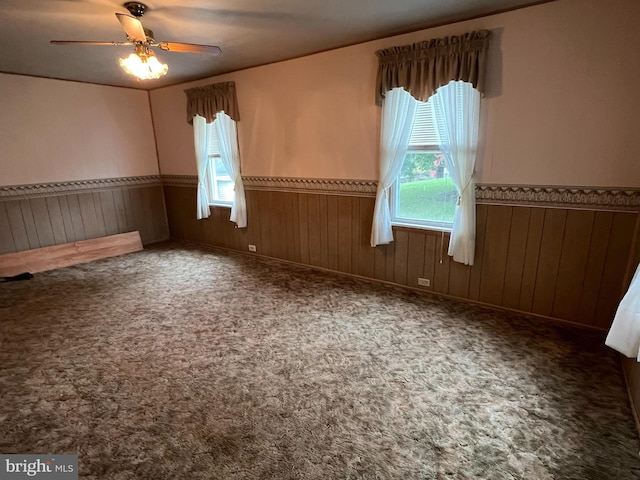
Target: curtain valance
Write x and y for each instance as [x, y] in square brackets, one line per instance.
[208, 100]
[423, 67]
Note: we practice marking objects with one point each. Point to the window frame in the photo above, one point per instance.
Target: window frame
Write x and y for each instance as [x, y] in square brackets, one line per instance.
[212, 185]
[394, 193]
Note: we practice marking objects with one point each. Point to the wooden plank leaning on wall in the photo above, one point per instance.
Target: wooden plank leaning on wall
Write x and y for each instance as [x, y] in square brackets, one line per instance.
[58, 256]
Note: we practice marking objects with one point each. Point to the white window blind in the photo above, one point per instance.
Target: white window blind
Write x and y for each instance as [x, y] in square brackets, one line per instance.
[214, 149]
[424, 131]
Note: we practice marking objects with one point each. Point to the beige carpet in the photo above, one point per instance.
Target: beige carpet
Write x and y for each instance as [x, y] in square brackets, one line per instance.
[175, 363]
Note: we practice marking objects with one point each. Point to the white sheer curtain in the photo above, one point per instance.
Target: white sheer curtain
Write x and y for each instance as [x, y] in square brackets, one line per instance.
[456, 110]
[398, 112]
[624, 335]
[229, 153]
[201, 142]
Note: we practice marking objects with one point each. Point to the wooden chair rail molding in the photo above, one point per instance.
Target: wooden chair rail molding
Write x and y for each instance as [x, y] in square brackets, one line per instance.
[75, 186]
[584, 197]
[65, 255]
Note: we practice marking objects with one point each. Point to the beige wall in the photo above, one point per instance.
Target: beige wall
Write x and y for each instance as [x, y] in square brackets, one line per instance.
[52, 130]
[559, 109]
[308, 117]
[566, 112]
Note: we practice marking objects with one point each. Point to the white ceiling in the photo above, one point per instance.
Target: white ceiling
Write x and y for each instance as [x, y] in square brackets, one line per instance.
[249, 32]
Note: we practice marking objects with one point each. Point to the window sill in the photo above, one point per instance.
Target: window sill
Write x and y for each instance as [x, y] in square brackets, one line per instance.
[223, 205]
[413, 226]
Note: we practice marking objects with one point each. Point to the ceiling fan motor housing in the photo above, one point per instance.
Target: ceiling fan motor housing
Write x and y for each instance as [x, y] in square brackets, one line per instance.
[135, 8]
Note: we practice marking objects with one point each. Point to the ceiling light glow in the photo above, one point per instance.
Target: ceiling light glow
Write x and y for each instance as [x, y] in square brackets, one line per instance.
[144, 65]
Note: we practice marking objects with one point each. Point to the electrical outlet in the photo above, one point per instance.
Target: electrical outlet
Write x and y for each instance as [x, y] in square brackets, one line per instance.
[252, 248]
[424, 282]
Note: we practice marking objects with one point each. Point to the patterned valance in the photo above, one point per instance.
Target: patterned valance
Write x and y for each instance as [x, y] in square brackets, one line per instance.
[423, 67]
[207, 101]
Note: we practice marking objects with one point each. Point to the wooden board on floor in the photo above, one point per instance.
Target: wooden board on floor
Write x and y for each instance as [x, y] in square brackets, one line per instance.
[65, 255]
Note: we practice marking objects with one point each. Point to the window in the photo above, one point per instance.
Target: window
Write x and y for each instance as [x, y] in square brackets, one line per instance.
[424, 194]
[219, 182]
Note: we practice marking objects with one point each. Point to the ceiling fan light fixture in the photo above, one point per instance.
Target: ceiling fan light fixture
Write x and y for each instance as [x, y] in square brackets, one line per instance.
[144, 65]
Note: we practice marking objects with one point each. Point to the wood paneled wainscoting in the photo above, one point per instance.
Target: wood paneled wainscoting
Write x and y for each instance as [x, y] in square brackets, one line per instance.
[34, 216]
[561, 253]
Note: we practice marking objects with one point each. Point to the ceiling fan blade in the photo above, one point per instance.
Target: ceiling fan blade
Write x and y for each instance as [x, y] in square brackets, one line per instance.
[80, 42]
[189, 48]
[132, 27]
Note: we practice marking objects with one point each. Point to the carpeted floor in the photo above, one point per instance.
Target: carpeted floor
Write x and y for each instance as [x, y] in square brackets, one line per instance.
[175, 363]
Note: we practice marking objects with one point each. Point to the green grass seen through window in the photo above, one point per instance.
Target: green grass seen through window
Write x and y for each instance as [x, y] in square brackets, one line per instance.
[429, 200]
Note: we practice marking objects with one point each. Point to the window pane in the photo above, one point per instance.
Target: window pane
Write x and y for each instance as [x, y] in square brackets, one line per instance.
[223, 182]
[220, 168]
[425, 189]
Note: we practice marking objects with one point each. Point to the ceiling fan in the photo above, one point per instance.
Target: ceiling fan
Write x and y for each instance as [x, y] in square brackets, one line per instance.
[143, 62]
